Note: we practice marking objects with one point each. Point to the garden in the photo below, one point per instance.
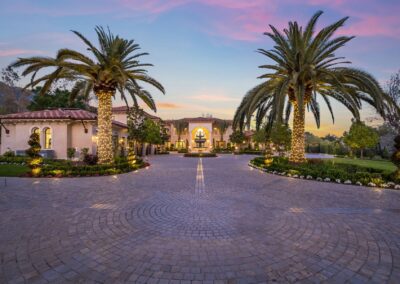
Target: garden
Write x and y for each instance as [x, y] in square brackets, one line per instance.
[34, 165]
[347, 171]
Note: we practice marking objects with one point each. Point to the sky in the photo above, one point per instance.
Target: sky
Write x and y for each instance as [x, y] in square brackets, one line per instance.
[204, 51]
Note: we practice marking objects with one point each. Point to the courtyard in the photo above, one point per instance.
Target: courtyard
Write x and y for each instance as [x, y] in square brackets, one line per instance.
[189, 220]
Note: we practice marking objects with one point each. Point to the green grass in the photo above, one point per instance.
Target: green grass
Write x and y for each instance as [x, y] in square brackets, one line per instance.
[386, 166]
[13, 170]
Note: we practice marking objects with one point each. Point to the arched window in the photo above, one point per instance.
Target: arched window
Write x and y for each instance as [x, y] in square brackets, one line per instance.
[47, 138]
[37, 131]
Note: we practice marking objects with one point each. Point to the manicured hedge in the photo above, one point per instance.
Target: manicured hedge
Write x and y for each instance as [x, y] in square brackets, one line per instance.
[200, 155]
[222, 151]
[120, 166]
[321, 169]
[249, 152]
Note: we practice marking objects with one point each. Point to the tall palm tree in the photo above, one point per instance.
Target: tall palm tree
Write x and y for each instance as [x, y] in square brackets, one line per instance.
[305, 66]
[222, 127]
[180, 128]
[113, 66]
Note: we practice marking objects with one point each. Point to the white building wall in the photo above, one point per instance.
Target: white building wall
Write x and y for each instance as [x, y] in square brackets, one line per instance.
[80, 139]
[20, 132]
[120, 117]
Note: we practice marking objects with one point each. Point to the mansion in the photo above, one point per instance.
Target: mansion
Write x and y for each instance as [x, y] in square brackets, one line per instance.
[63, 128]
[200, 134]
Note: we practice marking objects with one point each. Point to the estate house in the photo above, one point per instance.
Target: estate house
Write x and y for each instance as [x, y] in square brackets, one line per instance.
[63, 128]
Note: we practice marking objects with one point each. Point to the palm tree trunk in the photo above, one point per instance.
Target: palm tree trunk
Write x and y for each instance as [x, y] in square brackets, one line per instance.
[104, 128]
[297, 153]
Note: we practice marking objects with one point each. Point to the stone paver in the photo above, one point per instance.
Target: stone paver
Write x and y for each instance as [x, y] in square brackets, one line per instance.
[185, 222]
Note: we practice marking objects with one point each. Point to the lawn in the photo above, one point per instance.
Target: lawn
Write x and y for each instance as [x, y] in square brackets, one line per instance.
[13, 170]
[386, 166]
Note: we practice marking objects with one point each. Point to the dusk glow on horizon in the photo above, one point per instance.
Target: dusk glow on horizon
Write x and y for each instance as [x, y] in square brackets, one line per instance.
[204, 51]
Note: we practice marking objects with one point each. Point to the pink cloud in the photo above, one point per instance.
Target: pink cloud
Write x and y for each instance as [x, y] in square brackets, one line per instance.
[369, 25]
[235, 19]
[17, 51]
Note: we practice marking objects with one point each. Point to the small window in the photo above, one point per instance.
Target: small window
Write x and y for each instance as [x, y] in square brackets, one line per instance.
[47, 138]
[37, 131]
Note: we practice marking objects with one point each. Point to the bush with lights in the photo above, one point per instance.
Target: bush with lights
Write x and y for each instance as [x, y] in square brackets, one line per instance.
[35, 160]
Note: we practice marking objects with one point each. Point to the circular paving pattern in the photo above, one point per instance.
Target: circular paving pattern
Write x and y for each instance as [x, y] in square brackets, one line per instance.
[180, 222]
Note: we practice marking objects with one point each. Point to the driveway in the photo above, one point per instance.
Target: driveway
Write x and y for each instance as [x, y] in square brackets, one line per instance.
[210, 220]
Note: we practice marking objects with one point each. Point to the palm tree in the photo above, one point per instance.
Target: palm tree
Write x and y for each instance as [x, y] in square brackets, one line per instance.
[305, 66]
[222, 127]
[180, 128]
[114, 66]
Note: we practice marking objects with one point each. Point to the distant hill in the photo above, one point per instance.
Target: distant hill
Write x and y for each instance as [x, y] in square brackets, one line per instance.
[13, 99]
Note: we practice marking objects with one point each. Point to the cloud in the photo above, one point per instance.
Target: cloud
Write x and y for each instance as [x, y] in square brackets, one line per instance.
[17, 51]
[168, 106]
[233, 19]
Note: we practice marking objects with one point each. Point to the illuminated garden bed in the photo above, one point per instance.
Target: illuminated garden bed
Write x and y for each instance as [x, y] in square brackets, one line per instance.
[200, 155]
[328, 171]
[16, 166]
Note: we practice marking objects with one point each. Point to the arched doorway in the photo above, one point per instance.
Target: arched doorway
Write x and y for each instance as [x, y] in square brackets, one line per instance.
[200, 138]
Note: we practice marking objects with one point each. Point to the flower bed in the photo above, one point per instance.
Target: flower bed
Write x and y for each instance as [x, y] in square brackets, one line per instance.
[200, 155]
[68, 170]
[328, 171]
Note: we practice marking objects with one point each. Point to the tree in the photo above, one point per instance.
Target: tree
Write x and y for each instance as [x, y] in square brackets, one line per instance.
[152, 132]
[222, 127]
[115, 67]
[281, 137]
[135, 131]
[392, 113]
[305, 66]
[260, 136]
[392, 116]
[163, 133]
[237, 137]
[55, 99]
[360, 137]
[12, 98]
[180, 128]
[35, 160]
[330, 137]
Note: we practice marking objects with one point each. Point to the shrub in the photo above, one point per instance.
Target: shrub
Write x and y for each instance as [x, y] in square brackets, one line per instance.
[9, 153]
[327, 169]
[90, 159]
[35, 160]
[71, 153]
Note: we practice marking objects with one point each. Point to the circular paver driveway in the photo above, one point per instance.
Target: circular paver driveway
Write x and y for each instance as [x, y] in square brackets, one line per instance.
[185, 219]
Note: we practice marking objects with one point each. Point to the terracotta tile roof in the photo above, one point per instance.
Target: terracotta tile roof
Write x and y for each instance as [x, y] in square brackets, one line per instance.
[119, 124]
[60, 113]
[123, 109]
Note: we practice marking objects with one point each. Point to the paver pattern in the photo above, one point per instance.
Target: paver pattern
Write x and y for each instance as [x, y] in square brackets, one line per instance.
[186, 220]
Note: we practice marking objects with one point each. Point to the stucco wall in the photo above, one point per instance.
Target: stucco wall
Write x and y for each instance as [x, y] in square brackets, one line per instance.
[121, 117]
[79, 139]
[20, 132]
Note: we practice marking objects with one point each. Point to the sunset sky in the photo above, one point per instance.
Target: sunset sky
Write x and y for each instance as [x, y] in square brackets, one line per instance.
[204, 50]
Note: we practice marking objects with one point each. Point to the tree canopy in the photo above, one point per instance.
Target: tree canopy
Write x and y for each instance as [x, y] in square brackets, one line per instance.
[360, 136]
